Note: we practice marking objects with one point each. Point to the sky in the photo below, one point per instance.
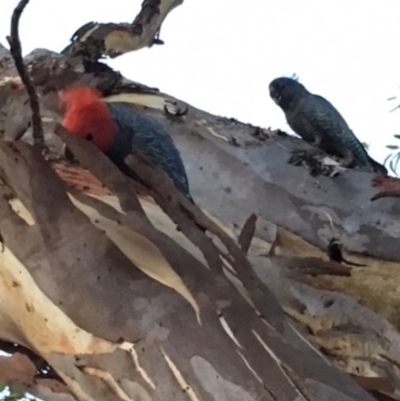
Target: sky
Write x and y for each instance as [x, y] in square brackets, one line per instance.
[221, 55]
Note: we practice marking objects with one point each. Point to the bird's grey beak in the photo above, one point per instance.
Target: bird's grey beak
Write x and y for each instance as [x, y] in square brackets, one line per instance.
[274, 96]
[68, 154]
[276, 99]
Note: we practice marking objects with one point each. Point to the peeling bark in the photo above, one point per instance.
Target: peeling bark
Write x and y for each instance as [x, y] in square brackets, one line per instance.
[48, 278]
[98, 282]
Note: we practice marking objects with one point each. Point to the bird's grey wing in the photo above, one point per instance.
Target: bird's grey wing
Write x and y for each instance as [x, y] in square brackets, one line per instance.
[148, 136]
[303, 124]
[156, 144]
[317, 121]
[330, 131]
[317, 118]
[339, 137]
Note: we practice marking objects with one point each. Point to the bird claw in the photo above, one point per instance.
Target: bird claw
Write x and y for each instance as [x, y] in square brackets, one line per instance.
[299, 156]
[317, 162]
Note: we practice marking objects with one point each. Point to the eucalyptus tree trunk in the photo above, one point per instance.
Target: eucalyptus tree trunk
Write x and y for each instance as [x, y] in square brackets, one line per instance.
[111, 290]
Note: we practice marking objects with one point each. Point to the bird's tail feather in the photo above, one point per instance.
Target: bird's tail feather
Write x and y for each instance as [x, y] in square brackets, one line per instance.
[377, 166]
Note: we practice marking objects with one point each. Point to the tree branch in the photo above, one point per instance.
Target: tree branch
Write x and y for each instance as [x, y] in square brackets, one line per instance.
[16, 52]
[236, 314]
[387, 186]
[72, 263]
[94, 40]
[386, 194]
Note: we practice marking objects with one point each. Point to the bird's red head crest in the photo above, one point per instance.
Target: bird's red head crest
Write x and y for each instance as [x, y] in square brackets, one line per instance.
[88, 116]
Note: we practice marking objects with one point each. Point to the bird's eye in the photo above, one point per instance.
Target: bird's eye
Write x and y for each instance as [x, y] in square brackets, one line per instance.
[89, 137]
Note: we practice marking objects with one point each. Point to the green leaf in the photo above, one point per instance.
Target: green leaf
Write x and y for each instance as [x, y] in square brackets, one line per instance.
[387, 158]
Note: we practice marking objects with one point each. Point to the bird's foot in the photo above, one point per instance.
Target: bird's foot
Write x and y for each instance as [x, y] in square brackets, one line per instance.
[317, 161]
[298, 156]
[307, 157]
[348, 161]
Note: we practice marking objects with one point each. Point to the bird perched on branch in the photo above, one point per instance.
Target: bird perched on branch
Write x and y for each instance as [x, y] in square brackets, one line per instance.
[118, 130]
[318, 122]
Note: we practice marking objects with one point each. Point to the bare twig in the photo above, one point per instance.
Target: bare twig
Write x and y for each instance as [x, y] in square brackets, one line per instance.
[387, 186]
[16, 52]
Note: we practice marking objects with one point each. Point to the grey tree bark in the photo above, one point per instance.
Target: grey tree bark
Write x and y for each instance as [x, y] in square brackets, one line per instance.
[97, 282]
